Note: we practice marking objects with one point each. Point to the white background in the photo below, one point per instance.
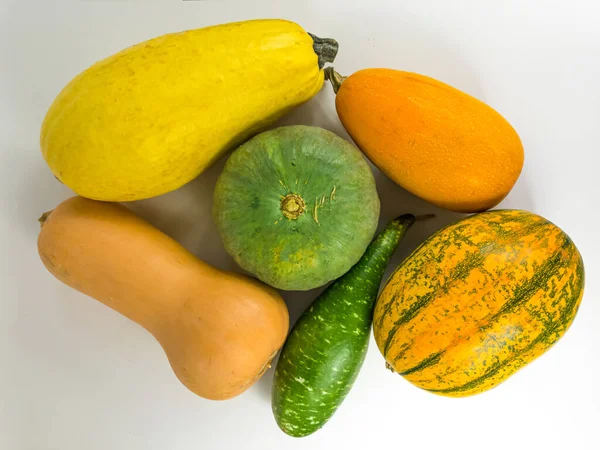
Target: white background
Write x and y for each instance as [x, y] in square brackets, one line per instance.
[75, 375]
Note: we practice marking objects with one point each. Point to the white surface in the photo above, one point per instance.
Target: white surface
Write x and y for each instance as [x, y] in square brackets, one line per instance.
[76, 375]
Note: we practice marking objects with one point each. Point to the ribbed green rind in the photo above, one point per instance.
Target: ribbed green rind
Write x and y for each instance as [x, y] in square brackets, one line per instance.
[326, 348]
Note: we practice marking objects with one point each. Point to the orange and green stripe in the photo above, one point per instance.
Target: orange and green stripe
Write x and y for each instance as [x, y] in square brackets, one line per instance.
[478, 300]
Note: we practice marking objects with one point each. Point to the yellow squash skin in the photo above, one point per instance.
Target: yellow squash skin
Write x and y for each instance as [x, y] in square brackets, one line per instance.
[479, 300]
[152, 117]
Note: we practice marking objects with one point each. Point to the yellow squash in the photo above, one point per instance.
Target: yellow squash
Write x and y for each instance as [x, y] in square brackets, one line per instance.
[152, 117]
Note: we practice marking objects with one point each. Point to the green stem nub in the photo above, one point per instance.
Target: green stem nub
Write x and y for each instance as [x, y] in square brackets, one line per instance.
[334, 78]
[326, 49]
[292, 206]
[44, 217]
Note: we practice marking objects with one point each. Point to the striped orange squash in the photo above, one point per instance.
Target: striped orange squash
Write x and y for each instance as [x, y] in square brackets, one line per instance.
[479, 300]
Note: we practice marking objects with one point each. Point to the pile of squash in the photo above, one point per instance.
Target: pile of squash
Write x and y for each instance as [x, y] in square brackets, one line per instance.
[297, 208]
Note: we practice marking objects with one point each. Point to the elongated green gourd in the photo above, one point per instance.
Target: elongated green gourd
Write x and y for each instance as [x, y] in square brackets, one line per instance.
[325, 351]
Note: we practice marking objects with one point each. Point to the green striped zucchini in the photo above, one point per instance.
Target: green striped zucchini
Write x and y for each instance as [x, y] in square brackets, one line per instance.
[326, 348]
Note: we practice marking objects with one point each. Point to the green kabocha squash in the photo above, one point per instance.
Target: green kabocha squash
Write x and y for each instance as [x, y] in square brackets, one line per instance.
[296, 206]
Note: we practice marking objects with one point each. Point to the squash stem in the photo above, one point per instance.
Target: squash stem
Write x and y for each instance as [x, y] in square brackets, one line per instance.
[334, 78]
[44, 217]
[325, 48]
[292, 206]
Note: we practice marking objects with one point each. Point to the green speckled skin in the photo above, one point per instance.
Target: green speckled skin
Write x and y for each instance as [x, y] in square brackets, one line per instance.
[328, 238]
[327, 346]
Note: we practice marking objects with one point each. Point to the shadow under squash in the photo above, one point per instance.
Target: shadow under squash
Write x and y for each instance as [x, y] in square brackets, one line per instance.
[186, 216]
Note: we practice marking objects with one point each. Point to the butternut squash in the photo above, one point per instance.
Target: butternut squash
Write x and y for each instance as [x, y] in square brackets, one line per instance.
[220, 330]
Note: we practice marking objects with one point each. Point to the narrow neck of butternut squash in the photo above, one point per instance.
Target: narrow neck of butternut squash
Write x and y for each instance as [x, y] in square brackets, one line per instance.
[146, 311]
[169, 287]
[108, 253]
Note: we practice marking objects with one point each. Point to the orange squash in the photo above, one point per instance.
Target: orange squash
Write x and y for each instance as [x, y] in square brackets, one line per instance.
[220, 330]
[435, 141]
[478, 301]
